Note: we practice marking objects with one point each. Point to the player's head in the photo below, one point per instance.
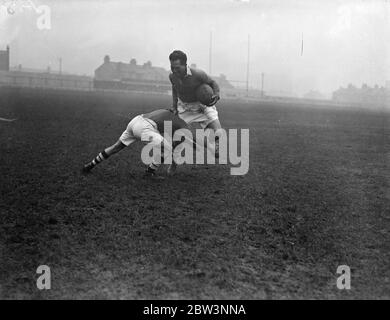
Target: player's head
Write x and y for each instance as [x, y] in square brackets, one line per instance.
[178, 61]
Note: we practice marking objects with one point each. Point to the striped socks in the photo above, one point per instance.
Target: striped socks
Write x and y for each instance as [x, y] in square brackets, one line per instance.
[99, 158]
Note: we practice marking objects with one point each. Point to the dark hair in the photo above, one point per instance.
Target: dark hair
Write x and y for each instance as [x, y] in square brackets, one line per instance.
[178, 55]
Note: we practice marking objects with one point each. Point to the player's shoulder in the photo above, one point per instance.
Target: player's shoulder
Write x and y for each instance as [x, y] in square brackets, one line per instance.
[199, 74]
[196, 71]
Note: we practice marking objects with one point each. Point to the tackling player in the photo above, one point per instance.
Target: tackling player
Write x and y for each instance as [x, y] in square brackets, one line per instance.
[144, 127]
[185, 81]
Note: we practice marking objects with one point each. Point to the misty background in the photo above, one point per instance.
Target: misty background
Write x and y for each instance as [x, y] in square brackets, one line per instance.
[343, 41]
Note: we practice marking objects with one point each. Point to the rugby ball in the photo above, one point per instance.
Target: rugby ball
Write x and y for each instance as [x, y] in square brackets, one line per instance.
[204, 94]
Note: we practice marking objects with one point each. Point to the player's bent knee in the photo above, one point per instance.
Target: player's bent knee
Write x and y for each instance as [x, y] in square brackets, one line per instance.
[119, 144]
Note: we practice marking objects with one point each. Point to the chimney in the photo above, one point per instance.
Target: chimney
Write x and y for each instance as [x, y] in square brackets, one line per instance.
[147, 64]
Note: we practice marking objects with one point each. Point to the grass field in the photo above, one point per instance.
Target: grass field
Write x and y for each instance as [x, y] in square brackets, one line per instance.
[316, 196]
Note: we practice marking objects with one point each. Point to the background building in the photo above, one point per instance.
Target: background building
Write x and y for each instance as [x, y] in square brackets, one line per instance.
[131, 76]
[108, 76]
[36, 78]
[44, 79]
[313, 94]
[365, 95]
[145, 77]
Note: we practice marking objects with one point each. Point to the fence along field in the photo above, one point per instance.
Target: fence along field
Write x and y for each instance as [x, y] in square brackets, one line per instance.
[314, 198]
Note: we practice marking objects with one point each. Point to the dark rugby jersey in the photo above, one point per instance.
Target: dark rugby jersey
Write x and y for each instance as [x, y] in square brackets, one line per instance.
[161, 115]
[185, 88]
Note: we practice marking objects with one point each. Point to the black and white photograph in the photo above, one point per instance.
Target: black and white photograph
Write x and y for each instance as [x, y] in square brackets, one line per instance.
[208, 151]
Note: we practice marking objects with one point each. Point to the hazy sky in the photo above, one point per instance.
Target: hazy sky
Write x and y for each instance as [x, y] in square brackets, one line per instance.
[344, 41]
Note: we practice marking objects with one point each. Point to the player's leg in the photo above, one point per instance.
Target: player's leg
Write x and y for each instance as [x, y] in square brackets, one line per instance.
[212, 123]
[161, 153]
[152, 168]
[172, 167]
[104, 155]
[125, 140]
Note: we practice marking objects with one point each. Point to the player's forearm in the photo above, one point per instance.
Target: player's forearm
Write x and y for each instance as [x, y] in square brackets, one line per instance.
[174, 98]
[205, 78]
[214, 85]
[174, 103]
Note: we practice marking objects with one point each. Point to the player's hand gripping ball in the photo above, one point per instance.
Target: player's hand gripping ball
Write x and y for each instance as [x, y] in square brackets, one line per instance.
[205, 94]
[215, 99]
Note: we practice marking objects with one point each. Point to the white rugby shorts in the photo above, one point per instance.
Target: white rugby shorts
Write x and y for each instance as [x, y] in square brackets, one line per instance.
[140, 128]
[192, 112]
[144, 129]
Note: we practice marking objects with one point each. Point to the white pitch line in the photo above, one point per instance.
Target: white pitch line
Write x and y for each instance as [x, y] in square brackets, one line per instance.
[8, 120]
